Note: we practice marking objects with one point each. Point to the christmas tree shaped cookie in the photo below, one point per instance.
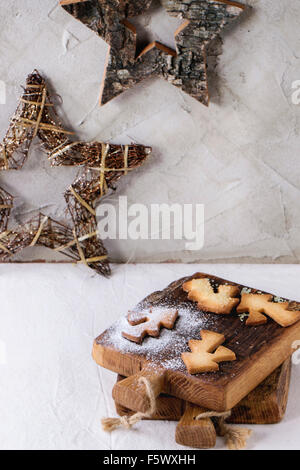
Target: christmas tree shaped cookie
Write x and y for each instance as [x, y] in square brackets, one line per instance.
[202, 358]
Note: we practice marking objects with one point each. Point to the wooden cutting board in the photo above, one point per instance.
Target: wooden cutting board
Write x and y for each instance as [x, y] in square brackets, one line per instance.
[266, 404]
[259, 351]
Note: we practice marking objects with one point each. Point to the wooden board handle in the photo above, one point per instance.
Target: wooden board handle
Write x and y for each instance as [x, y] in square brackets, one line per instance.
[200, 434]
[131, 392]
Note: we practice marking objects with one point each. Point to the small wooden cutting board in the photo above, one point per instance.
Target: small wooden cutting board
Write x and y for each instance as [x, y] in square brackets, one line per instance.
[259, 351]
[266, 404]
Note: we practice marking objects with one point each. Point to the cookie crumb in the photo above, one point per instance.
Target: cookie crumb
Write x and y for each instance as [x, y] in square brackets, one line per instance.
[246, 290]
[243, 316]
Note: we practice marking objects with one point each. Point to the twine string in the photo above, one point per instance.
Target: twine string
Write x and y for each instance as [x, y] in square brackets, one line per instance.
[39, 231]
[82, 201]
[105, 149]
[36, 103]
[213, 414]
[38, 124]
[62, 148]
[126, 160]
[4, 234]
[103, 169]
[73, 242]
[2, 246]
[110, 424]
[5, 157]
[47, 127]
[80, 250]
[235, 438]
[95, 259]
[38, 121]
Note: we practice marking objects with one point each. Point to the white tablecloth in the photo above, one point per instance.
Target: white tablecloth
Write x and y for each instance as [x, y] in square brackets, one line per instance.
[52, 394]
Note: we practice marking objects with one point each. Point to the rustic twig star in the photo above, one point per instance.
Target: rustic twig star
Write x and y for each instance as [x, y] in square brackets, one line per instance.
[101, 165]
[184, 68]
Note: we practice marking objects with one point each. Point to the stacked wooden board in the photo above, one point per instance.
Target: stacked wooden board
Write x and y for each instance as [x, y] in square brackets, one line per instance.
[254, 386]
[266, 404]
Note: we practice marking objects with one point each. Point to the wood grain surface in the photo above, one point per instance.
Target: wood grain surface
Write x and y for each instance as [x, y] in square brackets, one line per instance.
[266, 404]
[191, 432]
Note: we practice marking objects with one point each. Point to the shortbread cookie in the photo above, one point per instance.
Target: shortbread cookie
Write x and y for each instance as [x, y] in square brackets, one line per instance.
[201, 291]
[257, 304]
[201, 359]
[148, 323]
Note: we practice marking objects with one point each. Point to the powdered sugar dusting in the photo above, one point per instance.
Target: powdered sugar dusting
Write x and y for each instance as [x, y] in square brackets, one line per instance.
[166, 349]
[141, 324]
[170, 343]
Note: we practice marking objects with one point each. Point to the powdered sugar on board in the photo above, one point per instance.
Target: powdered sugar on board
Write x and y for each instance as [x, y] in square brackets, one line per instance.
[170, 343]
[166, 349]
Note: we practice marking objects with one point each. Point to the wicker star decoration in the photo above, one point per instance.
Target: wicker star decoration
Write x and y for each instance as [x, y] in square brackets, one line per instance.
[100, 166]
[184, 68]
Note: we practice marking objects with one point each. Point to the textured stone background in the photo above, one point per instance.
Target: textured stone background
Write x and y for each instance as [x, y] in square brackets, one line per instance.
[239, 157]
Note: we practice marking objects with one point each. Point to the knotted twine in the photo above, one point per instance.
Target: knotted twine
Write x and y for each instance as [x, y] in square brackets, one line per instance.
[110, 424]
[235, 438]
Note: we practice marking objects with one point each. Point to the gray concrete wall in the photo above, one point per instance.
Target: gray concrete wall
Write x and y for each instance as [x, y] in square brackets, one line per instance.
[240, 157]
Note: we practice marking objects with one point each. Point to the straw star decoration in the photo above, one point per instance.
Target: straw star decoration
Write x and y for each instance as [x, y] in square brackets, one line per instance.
[185, 67]
[101, 165]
